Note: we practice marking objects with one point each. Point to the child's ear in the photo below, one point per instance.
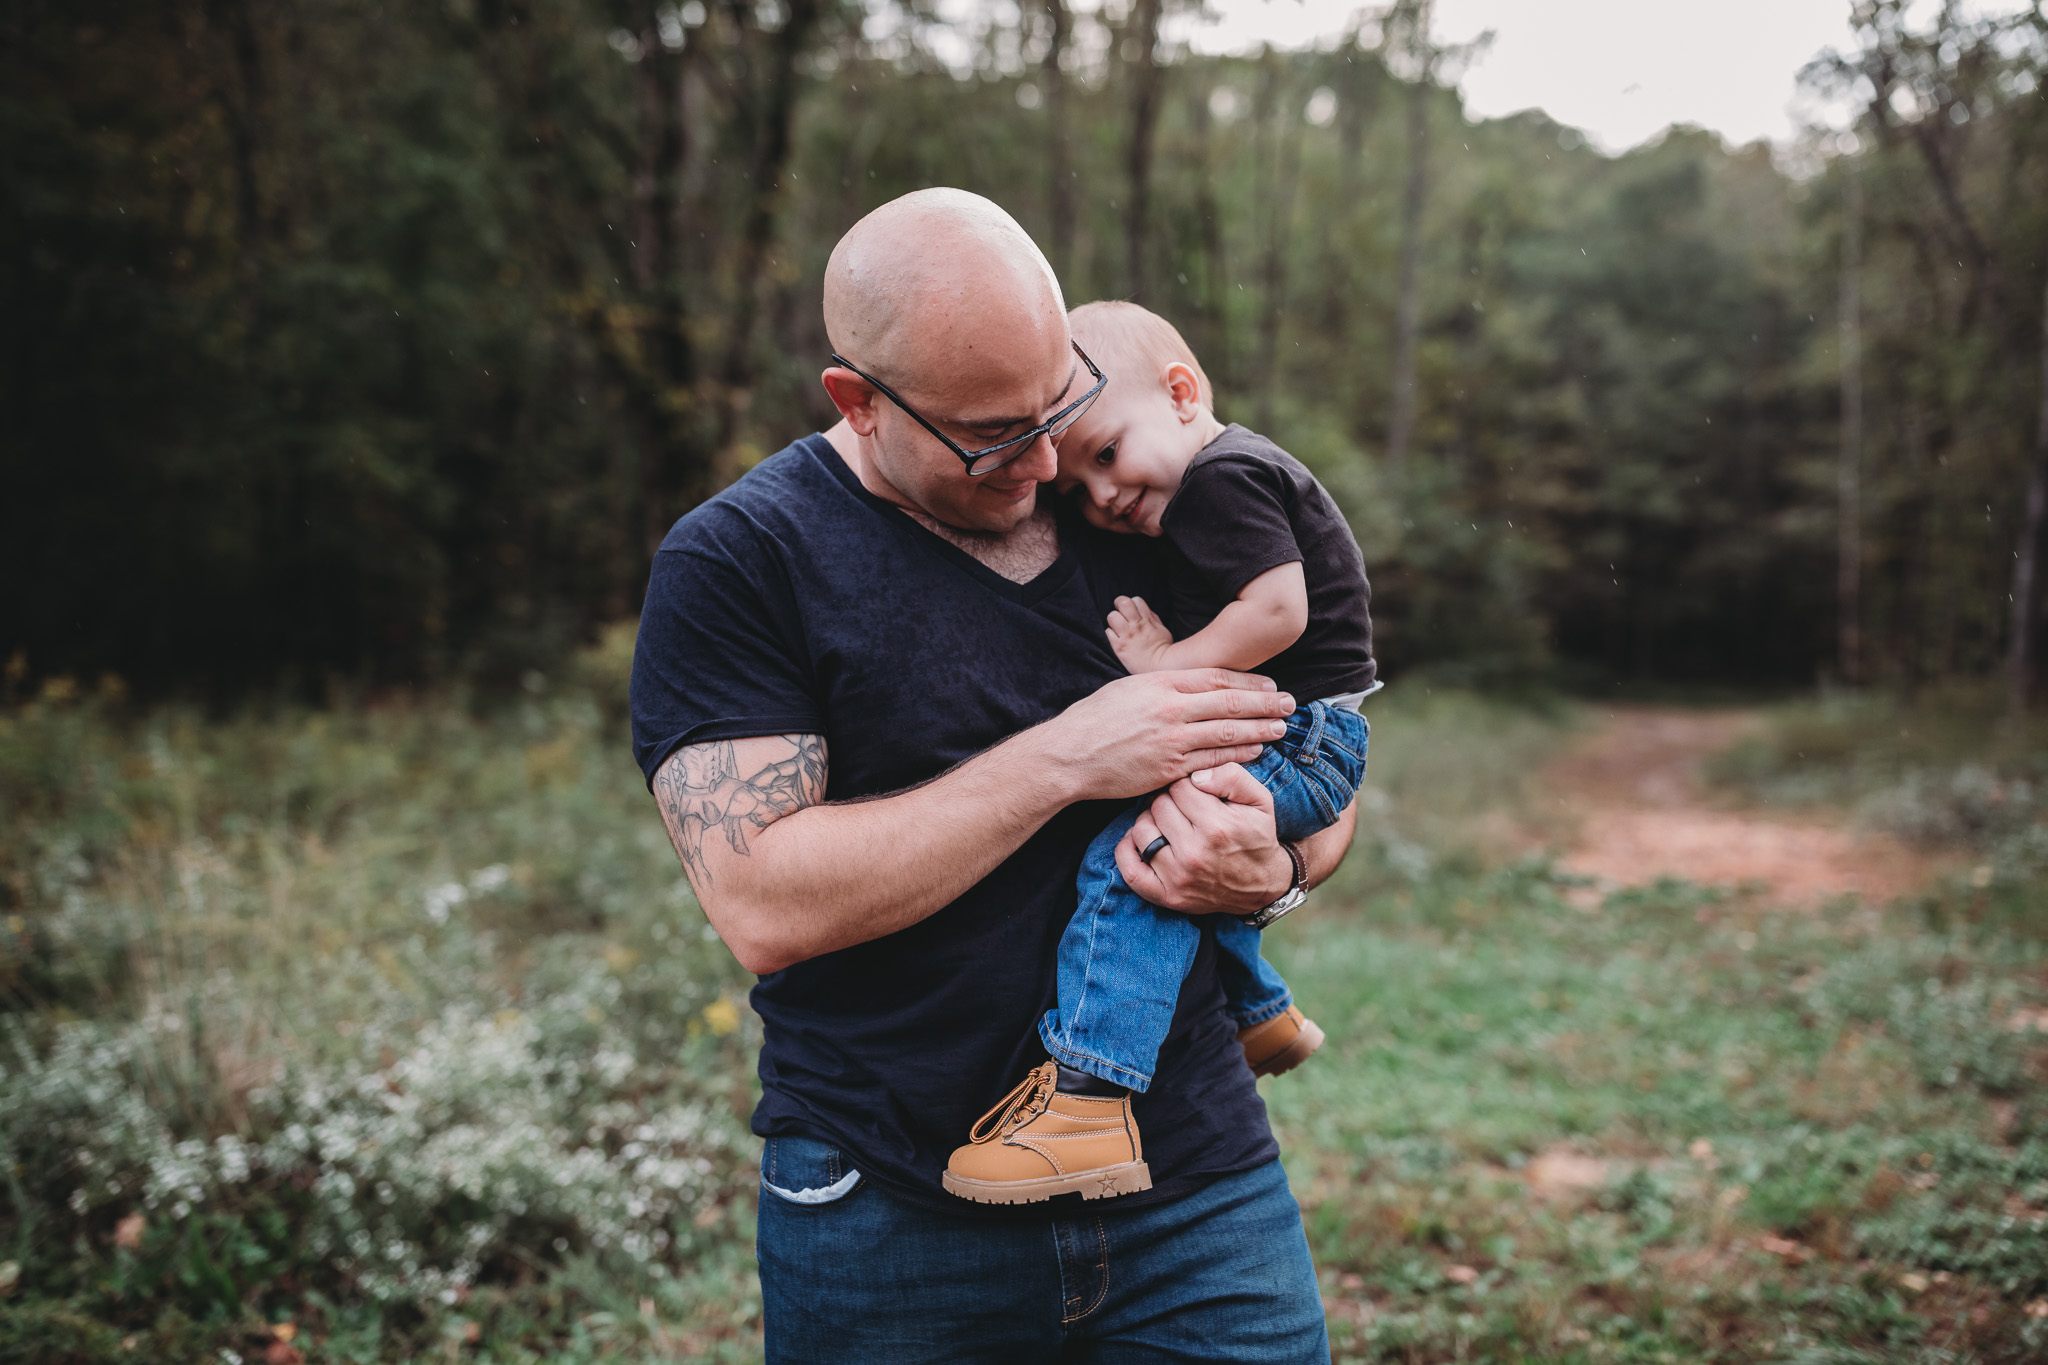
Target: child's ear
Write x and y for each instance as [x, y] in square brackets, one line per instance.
[1184, 389]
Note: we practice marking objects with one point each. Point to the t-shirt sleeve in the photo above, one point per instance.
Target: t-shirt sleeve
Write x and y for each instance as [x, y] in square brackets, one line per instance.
[1229, 519]
[720, 653]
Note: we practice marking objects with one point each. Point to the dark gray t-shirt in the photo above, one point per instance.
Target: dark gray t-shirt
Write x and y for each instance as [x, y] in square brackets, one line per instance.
[1246, 506]
[796, 601]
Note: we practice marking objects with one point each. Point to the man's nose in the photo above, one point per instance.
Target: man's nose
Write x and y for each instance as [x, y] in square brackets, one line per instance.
[1040, 463]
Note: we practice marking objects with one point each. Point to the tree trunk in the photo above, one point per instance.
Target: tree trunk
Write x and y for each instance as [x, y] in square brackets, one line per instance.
[1407, 320]
[1059, 147]
[1145, 75]
[776, 114]
[1215, 275]
[2020, 660]
[1279, 203]
[1849, 464]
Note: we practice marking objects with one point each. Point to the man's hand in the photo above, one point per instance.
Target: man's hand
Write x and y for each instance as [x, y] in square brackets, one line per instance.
[1141, 733]
[1221, 855]
[1138, 636]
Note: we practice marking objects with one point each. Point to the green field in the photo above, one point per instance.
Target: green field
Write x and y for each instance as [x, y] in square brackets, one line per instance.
[389, 1032]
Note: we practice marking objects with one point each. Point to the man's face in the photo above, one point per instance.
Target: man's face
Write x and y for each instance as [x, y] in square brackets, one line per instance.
[1127, 455]
[980, 394]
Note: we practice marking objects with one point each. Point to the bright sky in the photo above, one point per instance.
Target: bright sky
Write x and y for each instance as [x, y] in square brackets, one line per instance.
[1622, 70]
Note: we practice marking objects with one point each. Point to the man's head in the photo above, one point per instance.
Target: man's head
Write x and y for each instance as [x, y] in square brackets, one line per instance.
[1128, 452]
[943, 297]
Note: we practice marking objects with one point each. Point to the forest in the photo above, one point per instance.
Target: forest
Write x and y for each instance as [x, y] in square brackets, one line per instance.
[1686, 985]
[365, 343]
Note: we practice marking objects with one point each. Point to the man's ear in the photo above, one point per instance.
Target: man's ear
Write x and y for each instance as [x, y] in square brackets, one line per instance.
[1184, 389]
[853, 396]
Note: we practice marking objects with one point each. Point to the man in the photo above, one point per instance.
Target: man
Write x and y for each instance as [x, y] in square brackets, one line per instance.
[876, 706]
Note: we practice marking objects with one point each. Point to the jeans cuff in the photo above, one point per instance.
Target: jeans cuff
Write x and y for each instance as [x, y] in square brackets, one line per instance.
[1097, 1067]
[1260, 1015]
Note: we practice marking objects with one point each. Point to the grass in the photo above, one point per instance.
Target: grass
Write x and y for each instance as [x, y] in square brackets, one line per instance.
[386, 1033]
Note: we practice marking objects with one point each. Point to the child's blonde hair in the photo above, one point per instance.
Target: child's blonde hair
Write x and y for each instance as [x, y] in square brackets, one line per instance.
[1113, 331]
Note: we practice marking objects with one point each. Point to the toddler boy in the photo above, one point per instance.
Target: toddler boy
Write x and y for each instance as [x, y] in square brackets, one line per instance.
[1263, 574]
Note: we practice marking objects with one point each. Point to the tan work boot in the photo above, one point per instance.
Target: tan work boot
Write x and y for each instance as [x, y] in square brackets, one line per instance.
[1280, 1044]
[1038, 1142]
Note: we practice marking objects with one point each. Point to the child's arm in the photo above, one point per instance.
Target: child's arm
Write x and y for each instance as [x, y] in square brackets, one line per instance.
[1268, 615]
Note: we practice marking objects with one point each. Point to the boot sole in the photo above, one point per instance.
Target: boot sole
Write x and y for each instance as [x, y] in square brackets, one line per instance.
[1103, 1182]
[1294, 1054]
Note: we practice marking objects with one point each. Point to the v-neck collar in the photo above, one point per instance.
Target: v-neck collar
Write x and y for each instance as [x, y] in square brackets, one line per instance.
[1049, 580]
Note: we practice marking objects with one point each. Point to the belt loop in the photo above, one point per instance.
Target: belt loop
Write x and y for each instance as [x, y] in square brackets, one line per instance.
[1318, 717]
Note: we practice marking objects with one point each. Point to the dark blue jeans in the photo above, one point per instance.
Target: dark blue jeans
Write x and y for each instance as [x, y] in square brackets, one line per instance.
[851, 1274]
[1122, 959]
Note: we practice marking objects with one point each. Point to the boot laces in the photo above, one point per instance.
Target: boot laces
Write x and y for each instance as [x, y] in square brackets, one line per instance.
[1020, 1106]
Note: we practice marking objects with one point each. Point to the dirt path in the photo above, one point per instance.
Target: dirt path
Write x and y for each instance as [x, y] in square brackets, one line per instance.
[1629, 800]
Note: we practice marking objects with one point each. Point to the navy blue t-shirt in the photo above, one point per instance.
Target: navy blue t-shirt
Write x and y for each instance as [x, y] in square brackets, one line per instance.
[798, 602]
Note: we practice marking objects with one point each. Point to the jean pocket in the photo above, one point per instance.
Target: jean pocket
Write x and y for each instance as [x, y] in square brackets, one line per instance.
[803, 1170]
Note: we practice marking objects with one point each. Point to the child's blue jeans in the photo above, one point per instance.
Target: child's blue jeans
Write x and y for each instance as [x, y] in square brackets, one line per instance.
[1122, 959]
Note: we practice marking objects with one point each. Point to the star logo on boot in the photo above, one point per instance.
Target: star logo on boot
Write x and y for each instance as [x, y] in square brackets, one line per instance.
[1108, 1184]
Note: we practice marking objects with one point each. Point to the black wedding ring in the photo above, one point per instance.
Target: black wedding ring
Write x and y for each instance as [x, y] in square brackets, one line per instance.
[1152, 849]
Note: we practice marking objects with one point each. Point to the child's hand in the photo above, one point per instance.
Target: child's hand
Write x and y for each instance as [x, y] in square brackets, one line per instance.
[1138, 636]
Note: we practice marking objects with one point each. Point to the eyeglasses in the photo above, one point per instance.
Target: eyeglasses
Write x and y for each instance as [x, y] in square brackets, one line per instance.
[992, 458]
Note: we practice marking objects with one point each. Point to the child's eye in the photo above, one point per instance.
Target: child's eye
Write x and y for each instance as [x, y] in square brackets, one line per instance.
[1107, 455]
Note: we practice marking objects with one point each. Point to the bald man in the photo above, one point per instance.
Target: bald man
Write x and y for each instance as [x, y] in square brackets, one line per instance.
[873, 699]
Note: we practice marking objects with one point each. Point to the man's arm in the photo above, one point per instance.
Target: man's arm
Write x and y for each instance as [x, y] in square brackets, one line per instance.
[784, 876]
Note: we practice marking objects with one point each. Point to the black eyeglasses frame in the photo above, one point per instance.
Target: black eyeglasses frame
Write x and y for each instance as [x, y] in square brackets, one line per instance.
[1052, 426]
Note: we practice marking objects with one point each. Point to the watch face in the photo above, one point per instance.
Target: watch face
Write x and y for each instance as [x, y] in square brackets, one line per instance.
[1278, 908]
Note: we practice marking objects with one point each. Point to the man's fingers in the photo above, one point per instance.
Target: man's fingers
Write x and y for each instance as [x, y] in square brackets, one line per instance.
[1201, 706]
[1231, 734]
[1218, 679]
[1144, 831]
[1137, 874]
[1217, 758]
[1230, 782]
[1172, 820]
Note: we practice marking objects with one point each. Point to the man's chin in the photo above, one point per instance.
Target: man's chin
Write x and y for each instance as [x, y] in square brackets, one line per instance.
[994, 510]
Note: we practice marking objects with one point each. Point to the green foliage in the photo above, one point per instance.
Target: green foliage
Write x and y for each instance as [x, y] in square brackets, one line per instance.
[383, 342]
[418, 1047]
[411, 1007]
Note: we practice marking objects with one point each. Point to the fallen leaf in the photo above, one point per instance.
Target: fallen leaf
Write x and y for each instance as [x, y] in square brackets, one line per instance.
[128, 1232]
[1913, 1283]
[1798, 1253]
[1566, 1171]
[2028, 1020]
[284, 1331]
[1461, 1274]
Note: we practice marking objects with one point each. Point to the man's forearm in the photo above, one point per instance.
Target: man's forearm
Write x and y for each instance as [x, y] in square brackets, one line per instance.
[825, 876]
[1324, 850]
[785, 877]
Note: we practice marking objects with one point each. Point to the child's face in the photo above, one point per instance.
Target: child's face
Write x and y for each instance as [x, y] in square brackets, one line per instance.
[1128, 452]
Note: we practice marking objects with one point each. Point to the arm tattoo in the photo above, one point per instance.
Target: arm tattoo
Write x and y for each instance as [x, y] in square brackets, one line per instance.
[703, 794]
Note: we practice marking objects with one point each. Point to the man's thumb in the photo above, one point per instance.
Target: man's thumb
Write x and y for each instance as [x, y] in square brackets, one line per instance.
[1232, 783]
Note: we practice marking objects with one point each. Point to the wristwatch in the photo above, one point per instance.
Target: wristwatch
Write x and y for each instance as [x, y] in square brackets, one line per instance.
[1296, 893]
